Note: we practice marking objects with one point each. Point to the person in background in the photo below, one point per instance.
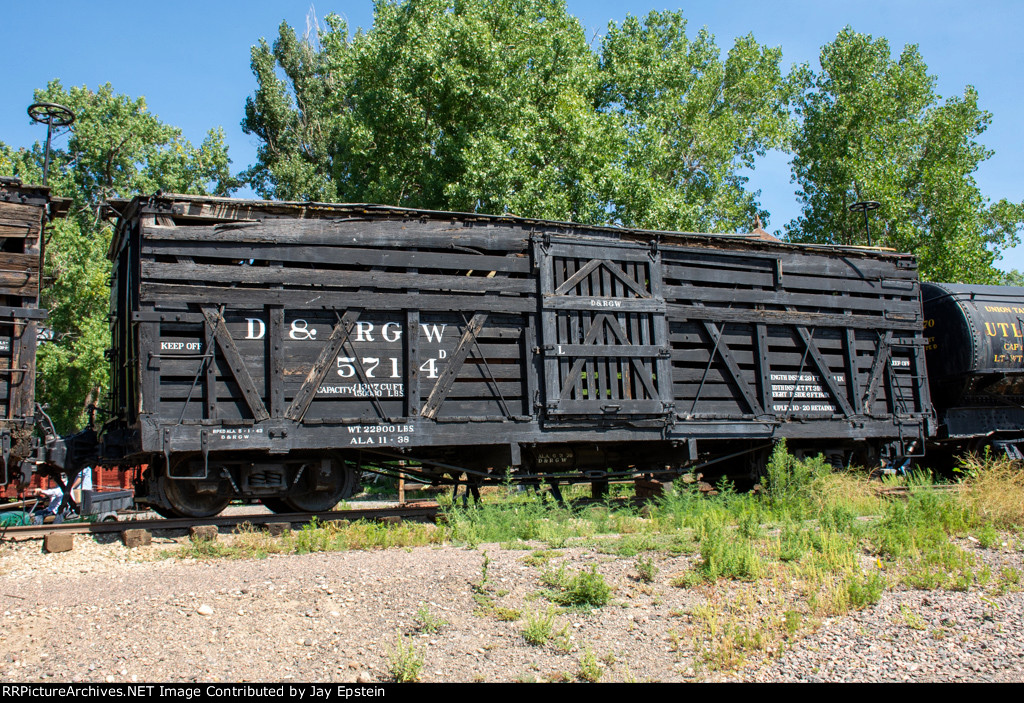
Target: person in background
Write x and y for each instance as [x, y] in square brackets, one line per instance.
[83, 482]
[85, 479]
[53, 498]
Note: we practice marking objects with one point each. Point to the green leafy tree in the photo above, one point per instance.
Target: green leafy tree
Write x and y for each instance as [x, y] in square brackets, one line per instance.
[502, 106]
[454, 104]
[873, 128]
[115, 149]
[691, 123]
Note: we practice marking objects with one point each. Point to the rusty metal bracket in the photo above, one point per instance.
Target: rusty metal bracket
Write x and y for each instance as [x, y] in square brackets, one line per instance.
[167, 450]
[204, 444]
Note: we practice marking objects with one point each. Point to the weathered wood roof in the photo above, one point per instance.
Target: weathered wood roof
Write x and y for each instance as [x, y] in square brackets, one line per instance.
[209, 209]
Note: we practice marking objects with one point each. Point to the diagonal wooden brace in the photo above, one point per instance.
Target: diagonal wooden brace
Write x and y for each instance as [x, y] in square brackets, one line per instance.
[238, 369]
[824, 372]
[444, 382]
[877, 367]
[574, 373]
[339, 335]
[725, 354]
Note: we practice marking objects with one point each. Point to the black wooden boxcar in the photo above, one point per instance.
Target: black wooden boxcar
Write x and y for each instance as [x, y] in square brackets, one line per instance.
[24, 211]
[272, 350]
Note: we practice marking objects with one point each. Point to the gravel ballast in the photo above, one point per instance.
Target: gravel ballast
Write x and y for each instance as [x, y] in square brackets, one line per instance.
[103, 612]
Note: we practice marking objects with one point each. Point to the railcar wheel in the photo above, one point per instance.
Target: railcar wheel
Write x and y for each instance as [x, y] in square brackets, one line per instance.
[276, 505]
[163, 511]
[323, 485]
[184, 500]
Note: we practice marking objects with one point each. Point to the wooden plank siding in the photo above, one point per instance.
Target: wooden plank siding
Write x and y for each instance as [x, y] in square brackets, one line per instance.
[303, 315]
[24, 210]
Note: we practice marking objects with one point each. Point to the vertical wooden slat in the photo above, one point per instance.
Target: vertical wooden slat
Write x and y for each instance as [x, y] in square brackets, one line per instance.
[531, 368]
[604, 289]
[659, 328]
[275, 360]
[412, 363]
[21, 380]
[548, 325]
[617, 290]
[762, 359]
[149, 349]
[577, 330]
[853, 380]
[210, 377]
[636, 325]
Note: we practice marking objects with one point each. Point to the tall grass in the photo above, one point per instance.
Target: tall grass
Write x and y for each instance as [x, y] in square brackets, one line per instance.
[992, 491]
[518, 516]
[805, 529]
[728, 556]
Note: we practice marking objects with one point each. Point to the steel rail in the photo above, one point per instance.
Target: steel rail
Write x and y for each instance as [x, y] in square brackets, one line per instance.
[425, 509]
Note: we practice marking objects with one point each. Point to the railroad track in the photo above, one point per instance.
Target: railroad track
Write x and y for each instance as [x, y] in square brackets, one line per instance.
[423, 509]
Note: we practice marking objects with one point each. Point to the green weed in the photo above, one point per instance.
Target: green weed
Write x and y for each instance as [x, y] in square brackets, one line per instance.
[987, 537]
[726, 556]
[1011, 577]
[579, 589]
[428, 622]
[538, 627]
[749, 524]
[405, 662]
[794, 542]
[590, 669]
[938, 564]
[540, 557]
[789, 479]
[913, 620]
[865, 590]
[506, 614]
[630, 545]
[646, 570]
[562, 640]
[791, 620]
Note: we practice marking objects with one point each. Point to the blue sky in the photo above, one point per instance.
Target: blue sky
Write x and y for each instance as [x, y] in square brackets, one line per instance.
[191, 60]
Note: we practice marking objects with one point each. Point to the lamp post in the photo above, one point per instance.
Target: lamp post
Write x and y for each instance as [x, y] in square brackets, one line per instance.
[864, 206]
[52, 115]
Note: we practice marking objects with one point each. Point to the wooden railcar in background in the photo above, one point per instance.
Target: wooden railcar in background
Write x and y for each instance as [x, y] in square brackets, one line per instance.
[24, 212]
[275, 350]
